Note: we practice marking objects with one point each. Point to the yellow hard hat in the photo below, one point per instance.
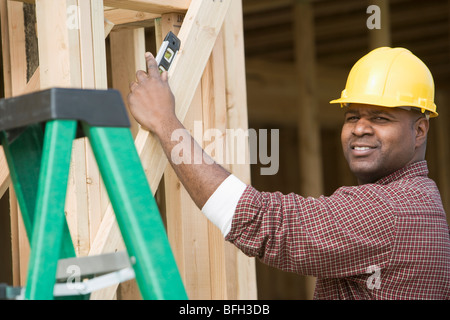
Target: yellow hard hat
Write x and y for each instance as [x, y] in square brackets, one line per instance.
[390, 77]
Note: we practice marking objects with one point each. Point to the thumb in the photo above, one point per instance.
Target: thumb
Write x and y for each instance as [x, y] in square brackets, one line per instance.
[152, 65]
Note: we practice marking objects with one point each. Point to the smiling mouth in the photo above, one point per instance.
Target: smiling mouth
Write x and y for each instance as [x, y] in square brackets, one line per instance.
[361, 148]
[362, 151]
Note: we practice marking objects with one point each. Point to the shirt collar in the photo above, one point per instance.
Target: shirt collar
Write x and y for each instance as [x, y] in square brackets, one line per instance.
[415, 169]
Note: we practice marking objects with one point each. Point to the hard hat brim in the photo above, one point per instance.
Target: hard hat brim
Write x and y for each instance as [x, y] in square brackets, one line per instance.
[383, 102]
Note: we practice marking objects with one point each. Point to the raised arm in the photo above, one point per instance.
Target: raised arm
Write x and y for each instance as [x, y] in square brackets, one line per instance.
[152, 104]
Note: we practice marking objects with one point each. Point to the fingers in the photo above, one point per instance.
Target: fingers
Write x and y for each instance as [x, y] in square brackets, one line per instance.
[141, 75]
[133, 85]
[152, 65]
[152, 72]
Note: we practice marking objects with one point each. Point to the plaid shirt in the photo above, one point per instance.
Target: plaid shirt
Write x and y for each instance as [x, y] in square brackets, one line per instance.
[387, 240]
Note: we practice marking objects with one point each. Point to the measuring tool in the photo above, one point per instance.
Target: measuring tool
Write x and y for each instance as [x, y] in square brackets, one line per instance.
[168, 51]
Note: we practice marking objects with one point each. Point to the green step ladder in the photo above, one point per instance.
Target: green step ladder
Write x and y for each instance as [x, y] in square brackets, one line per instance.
[37, 131]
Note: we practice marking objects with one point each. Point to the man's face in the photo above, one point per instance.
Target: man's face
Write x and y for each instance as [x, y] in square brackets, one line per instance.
[378, 141]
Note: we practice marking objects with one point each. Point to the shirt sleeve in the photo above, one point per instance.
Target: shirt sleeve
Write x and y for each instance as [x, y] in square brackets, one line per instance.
[327, 237]
[220, 207]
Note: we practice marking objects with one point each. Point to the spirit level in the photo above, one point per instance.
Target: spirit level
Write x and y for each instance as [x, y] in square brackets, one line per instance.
[168, 51]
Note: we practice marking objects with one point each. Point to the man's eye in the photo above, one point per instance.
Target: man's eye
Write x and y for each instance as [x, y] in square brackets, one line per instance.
[351, 118]
[381, 119]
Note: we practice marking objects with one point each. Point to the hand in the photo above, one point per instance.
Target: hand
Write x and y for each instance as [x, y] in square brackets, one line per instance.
[151, 101]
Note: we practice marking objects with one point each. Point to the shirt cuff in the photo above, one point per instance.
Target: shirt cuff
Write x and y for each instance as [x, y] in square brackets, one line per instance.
[220, 207]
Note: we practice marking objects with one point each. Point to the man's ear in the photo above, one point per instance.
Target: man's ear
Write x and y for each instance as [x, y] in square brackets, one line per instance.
[421, 128]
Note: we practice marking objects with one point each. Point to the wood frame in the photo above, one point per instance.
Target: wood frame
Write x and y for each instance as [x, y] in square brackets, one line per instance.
[76, 57]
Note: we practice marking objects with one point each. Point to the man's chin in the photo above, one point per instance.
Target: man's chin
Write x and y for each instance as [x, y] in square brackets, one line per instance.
[364, 172]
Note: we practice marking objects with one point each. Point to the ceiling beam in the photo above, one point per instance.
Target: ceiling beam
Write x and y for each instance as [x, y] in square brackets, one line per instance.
[152, 6]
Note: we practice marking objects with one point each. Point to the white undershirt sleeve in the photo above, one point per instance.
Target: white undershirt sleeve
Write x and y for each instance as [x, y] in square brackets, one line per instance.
[220, 207]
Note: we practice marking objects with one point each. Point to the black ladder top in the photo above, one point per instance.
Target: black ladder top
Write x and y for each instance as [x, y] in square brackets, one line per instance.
[100, 108]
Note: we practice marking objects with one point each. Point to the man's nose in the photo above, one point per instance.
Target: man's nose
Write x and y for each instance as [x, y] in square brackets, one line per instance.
[362, 127]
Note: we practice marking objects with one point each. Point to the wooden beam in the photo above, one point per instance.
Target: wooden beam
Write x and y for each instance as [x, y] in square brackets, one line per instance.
[187, 228]
[6, 56]
[15, 59]
[26, 1]
[258, 6]
[240, 269]
[122, 18]
[54, 55]
[127, 47]
[5, 179]
[18, 59]
[152, 6]
[308, 125]
[381, 37]
[214, 106]
[325, 9]
[309, 134]
[86, 193]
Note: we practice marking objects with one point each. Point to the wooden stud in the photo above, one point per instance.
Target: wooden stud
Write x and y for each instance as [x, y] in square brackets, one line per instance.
[240, 268]
[152, 6]
[308, 125]
[5, 179]
[18, 57]
[192, 234]
[190, 237]
[127, 56]
[54, 56]
[6, 56]
[86, 193]
[129, 19]
[381, 37]
[4, 174]
[15, 65]
[214, 118]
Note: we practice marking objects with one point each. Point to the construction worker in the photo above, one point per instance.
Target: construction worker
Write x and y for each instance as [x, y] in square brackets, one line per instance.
[386, 238]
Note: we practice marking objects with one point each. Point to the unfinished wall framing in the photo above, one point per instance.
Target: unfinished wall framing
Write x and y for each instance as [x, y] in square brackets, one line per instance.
[208, 81]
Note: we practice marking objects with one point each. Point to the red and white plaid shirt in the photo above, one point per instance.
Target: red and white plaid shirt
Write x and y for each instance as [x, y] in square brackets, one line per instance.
[387, 240]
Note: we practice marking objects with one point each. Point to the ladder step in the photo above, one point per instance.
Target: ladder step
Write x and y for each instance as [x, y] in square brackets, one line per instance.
[97, 283]
[90, 266]
[83, 275]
